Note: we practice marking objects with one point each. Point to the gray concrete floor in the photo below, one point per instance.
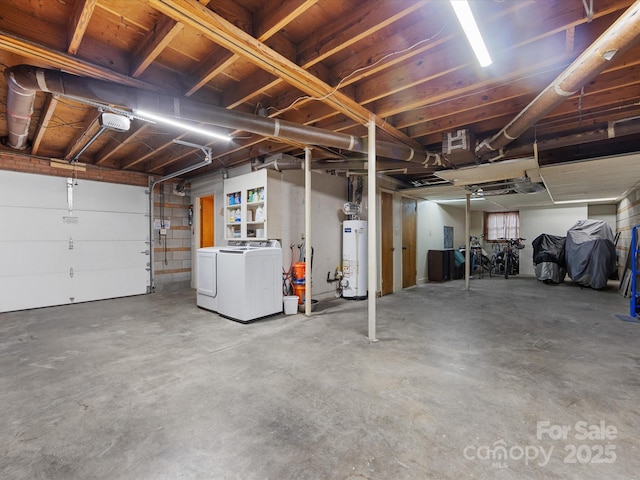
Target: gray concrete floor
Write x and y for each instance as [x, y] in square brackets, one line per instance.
[461, 385]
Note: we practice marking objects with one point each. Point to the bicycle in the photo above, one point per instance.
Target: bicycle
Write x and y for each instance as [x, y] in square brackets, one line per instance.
[497, 260]
[510, 256]
[479, 258]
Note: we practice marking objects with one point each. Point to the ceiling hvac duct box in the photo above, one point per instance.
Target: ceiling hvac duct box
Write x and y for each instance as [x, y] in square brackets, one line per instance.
[459, 146]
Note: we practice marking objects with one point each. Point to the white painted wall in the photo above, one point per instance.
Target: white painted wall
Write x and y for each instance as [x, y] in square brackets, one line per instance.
[553, 221]
[606, 213]
[328, 195]
[432, 218]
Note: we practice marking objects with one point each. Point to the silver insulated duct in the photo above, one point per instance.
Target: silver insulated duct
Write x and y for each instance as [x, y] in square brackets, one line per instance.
[25, 80]
[20, 102]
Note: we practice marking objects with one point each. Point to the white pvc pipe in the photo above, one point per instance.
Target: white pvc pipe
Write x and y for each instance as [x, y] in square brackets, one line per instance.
[372, 280]
[308, 250]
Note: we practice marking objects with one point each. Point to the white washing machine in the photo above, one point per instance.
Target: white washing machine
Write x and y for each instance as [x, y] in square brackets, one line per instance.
[242, 281]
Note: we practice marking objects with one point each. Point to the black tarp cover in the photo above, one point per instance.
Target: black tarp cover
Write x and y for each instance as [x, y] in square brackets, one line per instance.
[549, 258]
[590, 253]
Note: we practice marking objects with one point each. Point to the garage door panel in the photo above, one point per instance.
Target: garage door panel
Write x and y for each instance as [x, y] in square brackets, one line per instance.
[21, 292]
[33, 224]
[41, 190]
[121, 198]
[98, 284]
[31, 258]
[110, 226]
[105, 255]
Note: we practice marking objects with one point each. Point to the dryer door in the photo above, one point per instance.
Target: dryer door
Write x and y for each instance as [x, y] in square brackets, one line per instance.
[207, 272]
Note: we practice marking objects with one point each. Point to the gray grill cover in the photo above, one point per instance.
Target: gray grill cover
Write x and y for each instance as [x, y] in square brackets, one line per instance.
[590, 252]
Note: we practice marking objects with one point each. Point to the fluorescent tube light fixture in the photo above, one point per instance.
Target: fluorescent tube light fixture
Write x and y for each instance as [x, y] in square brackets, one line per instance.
[458, 200]
[585, 200]
[152, 117]
[470, 27]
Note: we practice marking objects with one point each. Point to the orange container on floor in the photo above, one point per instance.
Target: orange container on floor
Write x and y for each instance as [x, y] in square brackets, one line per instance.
[299, 289]
[299, 269]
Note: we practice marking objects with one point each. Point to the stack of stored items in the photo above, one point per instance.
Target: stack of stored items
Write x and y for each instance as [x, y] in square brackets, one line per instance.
[299, 281]
[549, 258]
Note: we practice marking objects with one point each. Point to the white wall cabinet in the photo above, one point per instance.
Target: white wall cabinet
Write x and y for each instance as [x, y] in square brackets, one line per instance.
[253, 206]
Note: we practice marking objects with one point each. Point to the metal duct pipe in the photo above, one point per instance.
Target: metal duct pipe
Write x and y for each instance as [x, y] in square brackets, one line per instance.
[280, 165]
[358, 164]
[20, 102]
[280, 162]
[25, 80]
[620, 36]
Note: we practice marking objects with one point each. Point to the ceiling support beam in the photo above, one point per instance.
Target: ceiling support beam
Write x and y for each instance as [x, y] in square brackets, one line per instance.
[78, 24]
[289, 12]
[45, 118]
[38, 53]
[153, 46]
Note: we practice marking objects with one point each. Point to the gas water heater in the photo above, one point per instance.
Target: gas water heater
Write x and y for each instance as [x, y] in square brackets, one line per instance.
[354, 259]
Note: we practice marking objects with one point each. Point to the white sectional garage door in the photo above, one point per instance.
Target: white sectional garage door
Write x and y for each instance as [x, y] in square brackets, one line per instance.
[50, 255]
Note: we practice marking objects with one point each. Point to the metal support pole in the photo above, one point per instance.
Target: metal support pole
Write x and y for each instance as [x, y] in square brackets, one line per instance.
[307, 230]
[372, 280]
[467, 242]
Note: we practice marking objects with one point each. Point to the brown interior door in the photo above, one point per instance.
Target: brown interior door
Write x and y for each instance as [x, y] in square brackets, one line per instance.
[409, 215]
[386, 224]
[206, 221]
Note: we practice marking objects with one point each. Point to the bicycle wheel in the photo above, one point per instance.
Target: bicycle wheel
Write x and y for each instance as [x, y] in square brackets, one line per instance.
[507, 266]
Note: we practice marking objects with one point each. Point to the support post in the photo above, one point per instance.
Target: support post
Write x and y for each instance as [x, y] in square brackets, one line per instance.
[372, 280]
[307, 231]
[467, 243]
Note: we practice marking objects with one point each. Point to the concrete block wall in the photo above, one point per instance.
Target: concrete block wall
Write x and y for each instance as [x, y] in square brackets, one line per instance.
[627, 216]
[172, 252]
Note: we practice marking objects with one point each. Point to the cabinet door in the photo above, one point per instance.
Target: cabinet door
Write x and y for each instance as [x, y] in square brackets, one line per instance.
[435, 266]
